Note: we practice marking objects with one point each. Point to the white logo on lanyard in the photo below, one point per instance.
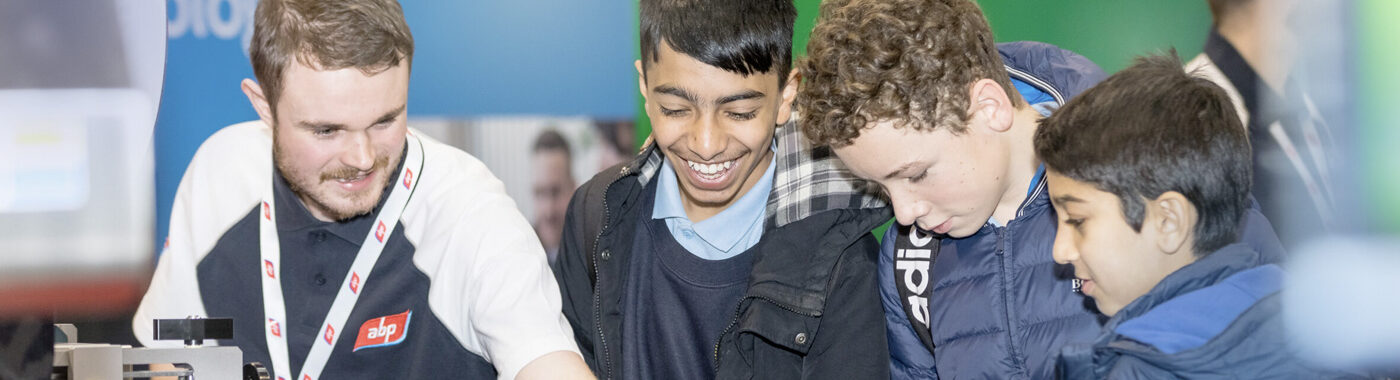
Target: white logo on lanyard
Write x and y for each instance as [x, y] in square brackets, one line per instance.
[274, 306]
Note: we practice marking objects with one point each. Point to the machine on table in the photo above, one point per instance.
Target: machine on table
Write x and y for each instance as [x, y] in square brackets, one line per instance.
[83, 361]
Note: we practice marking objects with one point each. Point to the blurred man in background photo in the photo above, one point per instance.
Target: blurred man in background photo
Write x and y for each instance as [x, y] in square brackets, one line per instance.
[619, 141]
[553, 185]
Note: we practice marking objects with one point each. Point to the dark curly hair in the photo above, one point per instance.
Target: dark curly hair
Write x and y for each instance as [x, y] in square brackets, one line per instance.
[909, 61]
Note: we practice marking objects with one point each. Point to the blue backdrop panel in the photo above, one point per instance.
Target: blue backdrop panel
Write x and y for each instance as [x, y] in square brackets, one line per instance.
[537, 57]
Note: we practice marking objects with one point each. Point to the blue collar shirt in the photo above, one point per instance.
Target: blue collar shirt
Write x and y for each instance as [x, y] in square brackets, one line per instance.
[725, 235]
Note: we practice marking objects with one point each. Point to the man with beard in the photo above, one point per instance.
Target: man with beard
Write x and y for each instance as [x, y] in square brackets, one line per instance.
[342, 243]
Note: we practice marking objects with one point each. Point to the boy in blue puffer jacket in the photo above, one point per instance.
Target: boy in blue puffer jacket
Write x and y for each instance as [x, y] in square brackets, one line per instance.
[914, 96]
[1149, 172]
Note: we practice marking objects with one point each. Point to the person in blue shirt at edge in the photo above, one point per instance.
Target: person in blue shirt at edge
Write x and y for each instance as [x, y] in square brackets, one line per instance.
[1149, 172]
[727, 248]
[913, 95]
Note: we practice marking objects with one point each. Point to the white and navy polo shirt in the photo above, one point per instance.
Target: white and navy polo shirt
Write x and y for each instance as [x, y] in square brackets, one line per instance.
[462, 278]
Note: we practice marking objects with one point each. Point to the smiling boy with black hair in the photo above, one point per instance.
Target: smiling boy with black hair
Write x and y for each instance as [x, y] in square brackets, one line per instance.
[729, 248]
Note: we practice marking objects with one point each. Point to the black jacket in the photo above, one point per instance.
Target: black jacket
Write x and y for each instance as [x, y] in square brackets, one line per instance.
[812, 308]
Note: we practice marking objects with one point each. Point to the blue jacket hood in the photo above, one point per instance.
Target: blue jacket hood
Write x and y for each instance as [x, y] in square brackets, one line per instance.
[1197, 302]
[1215, 318]
[1060, 72]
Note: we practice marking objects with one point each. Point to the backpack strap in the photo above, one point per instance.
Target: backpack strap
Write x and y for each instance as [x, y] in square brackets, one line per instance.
[914, 253]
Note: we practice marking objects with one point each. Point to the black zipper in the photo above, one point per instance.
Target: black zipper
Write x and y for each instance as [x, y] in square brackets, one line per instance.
[1005, 288]
[1001, 235]
[598, 278]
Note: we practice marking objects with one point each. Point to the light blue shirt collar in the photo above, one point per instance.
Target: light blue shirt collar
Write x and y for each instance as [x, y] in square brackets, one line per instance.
[725, 235]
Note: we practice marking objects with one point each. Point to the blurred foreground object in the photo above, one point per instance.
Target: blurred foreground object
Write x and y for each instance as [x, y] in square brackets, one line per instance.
[79, 90]
[1343, 300]
[1342, 303]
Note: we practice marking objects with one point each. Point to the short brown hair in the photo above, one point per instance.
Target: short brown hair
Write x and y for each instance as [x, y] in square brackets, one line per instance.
[905, 60]
[370, 35]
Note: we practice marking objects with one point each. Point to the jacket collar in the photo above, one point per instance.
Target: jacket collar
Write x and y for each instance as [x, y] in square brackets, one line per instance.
[1060, 72]
[1037, 197]
[1095, 359]
[1205, 272]
[810, 180]
[1090, 360]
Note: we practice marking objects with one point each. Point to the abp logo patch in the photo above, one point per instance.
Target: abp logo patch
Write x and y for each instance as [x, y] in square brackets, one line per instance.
[379, 231]
[383, 331]
[407, 178]
[269, 269]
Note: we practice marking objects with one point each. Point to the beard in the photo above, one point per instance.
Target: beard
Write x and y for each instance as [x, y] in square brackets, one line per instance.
[310, 189]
